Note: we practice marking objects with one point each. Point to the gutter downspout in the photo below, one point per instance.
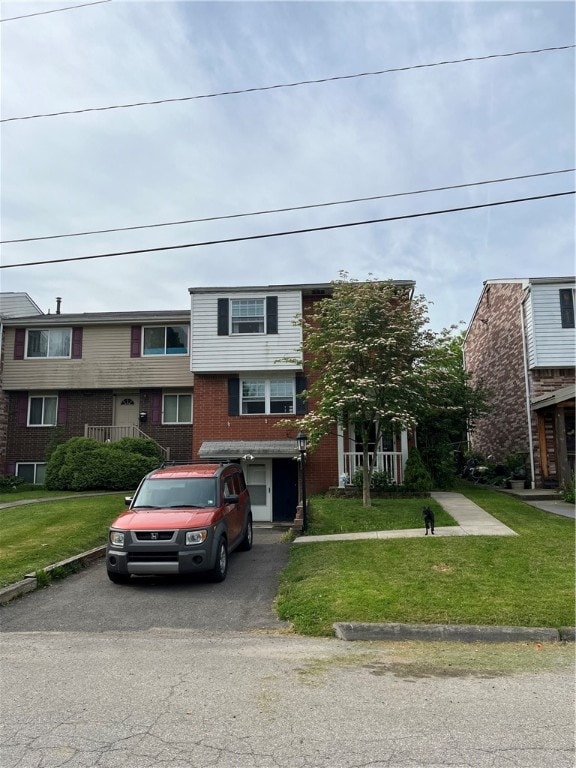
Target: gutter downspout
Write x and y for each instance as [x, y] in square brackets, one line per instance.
[527, 390]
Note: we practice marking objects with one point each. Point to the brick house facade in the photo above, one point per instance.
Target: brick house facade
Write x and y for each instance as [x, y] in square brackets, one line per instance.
[109, 375]
[521, 344]
[248, 372]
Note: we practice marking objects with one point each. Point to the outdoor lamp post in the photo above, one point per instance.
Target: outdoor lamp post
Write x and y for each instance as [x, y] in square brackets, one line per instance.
[302, 442]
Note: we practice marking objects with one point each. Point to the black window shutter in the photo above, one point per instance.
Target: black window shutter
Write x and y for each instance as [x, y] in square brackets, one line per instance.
[135, 340]
[233, 396]
[76, 343]
[22, 409]
[62, 408]
[223, 322]
[271, 314]
[301, 404]
[19, 342]
[156, 408]
[567, 307]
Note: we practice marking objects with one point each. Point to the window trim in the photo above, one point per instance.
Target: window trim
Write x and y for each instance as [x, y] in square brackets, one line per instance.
[34, 464]
[178, 395]
[567, 308]
[47, 356]
[262, 301]
[267, 396]
[165, 353]
[44, 397]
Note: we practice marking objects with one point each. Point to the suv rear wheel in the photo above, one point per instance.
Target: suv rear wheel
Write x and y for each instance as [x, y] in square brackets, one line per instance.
[218, 573]
[246, 542]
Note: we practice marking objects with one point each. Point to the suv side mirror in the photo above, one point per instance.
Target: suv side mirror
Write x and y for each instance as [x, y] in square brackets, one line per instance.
[231, 499]
[127, 500]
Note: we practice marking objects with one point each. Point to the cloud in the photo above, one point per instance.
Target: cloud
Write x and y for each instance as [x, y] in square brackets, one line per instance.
[285, 147]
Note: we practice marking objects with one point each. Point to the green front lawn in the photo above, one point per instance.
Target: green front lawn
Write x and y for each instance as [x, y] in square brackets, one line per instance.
[36, 535]
[347, 515]
[526, 580]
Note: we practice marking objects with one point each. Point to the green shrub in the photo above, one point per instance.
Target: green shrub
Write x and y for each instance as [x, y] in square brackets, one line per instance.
[568, 491]
[83, 464]
[10, 482]
[416, 476]
[140, 445]
[381, 481]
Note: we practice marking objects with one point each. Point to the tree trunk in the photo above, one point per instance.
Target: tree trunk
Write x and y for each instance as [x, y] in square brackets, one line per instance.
[366, 474]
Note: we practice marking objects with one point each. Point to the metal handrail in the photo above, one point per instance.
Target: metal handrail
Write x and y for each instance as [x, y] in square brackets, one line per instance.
[111, 433]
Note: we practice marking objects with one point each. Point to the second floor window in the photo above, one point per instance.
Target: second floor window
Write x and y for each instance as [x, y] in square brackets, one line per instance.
[567, 301]
[267, 396]
[248, 316]
[42, 410]
[49, 342]
[165, 340]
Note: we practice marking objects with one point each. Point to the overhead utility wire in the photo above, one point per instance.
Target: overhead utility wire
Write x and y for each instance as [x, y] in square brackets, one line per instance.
[287, 85]
[284, 233]
[283, 210]
[55, 10]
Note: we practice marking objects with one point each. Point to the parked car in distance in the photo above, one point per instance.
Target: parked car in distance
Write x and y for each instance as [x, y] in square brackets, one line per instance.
[183, 519]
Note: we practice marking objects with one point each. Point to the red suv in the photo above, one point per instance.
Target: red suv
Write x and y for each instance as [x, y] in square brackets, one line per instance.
[183, 519]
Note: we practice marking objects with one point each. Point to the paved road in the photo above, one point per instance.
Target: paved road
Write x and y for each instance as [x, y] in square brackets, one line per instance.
[181, 699]
[89, 602]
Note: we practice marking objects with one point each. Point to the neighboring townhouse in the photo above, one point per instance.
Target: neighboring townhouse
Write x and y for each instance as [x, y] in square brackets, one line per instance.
[12, 304]
[101, 375]
[521, 343]
[248, 377]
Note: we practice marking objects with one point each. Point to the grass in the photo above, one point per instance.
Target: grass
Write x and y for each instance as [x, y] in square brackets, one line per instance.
[7, 497]
[341, 515]
[37, 535]
[527, 580]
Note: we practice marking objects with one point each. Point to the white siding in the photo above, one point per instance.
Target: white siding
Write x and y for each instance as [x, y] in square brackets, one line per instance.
[244, 352]
[549, 345]
[105, 364]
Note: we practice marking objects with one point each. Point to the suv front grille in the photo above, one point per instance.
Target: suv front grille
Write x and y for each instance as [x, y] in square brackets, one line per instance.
[154, 535]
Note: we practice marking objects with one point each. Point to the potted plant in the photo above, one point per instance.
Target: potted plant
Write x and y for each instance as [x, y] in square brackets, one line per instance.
[517, 465]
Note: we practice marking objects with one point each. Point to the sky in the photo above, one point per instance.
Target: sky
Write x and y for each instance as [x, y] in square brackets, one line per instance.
[345, 139]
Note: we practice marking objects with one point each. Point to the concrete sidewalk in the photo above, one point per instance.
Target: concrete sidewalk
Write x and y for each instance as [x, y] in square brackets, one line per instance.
[472, 521]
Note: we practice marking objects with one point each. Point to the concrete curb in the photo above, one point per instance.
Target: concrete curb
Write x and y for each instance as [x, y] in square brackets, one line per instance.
[30, 582]
[460, 632]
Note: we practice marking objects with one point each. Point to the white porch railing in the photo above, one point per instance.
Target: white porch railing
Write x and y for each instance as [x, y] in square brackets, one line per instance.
[389, 462]
[110, 434]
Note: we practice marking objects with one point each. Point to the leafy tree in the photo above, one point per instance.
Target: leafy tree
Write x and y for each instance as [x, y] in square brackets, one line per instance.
[443, 425]
[376, 363]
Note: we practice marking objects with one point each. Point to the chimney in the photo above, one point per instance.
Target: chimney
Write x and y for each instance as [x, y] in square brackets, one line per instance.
[58, 300]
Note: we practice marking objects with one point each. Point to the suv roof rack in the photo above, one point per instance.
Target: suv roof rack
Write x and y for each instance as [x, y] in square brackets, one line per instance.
[171, 463]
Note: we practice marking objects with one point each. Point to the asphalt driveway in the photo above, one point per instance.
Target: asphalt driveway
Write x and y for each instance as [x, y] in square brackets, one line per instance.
[89, 602]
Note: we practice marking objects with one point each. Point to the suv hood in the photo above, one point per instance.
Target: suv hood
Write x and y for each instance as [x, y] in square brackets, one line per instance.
[165, 519]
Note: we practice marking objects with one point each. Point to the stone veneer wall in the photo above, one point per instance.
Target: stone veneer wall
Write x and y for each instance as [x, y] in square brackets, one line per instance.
[493, 354]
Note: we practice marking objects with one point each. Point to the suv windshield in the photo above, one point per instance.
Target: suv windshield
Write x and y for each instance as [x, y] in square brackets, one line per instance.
[183, 492]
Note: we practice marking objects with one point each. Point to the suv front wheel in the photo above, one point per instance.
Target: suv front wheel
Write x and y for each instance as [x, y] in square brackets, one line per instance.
[218, 573]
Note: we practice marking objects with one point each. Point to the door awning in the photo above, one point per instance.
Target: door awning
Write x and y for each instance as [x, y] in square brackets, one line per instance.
[233, 449]
[554, 398]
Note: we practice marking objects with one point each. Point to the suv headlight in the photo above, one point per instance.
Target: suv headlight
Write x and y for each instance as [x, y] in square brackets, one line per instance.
[117, 538]
[196, 537]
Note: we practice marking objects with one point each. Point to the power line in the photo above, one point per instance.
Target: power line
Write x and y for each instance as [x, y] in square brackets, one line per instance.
[285, 210]
[55, 10]
[287, 85]
[286, 232]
